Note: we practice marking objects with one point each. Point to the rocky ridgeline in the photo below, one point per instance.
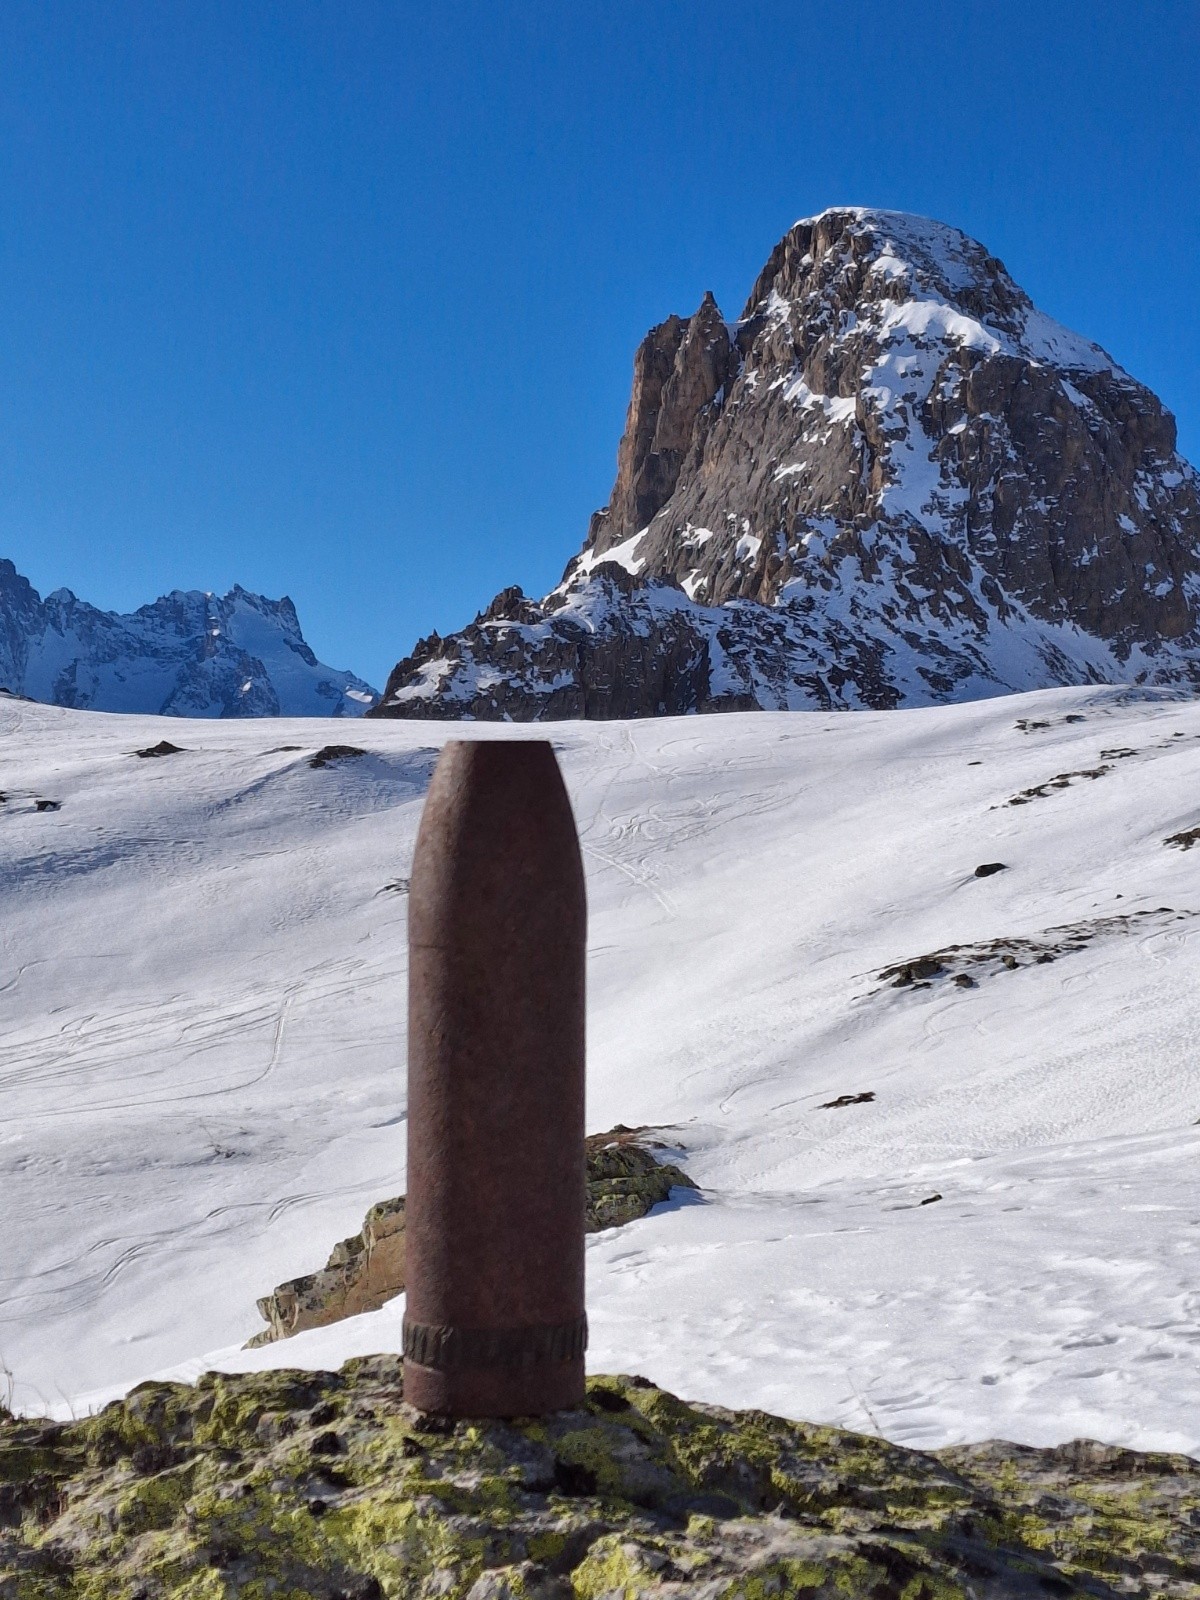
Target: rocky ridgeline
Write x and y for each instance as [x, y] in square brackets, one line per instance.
[891, 481]
[326, 1486]
[189, 654]
[624, 1180]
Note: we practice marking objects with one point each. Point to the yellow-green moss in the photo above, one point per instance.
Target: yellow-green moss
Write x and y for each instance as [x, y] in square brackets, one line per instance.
[778, 1580]
[155, 1502]
[612, 1567]
[315, 1486]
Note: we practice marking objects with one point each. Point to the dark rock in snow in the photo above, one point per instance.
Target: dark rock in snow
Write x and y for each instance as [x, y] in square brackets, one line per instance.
[1061, 780]
[164, 747]
[964, 963]
[328, 754]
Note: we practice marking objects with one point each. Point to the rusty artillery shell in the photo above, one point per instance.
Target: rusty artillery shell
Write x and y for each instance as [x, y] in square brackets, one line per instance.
[497, 921]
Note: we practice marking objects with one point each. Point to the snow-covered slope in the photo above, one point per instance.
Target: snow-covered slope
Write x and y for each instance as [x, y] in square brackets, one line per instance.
[893, 481]
[202, 994]
[189, 654]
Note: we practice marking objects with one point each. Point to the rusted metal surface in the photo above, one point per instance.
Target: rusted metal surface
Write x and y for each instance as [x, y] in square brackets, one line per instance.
[495, 1320]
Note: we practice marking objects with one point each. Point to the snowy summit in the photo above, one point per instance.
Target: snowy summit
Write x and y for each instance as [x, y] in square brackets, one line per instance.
[190, 654]
[892, 481]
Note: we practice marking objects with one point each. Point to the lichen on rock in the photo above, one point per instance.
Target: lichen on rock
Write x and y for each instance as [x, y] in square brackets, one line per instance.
[325, 1486]
[626, 1178]
[362, 1273]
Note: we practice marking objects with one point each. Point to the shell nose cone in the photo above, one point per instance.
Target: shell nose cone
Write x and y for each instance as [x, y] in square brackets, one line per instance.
[497, 847]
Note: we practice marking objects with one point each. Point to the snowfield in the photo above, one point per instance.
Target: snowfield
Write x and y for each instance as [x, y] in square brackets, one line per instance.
[202, 1018]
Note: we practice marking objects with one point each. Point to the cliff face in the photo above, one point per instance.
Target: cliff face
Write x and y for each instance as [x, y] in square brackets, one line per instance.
[892, 481]
[679, 370]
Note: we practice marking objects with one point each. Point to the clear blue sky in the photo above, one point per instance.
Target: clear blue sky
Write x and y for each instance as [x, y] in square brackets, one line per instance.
[339, 298]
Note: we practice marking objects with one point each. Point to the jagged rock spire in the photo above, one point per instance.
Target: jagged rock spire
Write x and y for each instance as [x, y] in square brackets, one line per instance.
[679, 369]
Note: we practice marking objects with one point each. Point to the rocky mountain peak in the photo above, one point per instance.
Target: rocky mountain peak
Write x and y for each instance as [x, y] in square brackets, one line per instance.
[893, 480]
[849, 254]
[189, 653]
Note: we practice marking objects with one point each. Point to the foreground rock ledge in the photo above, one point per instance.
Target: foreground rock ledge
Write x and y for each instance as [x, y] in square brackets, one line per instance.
[295, 1484]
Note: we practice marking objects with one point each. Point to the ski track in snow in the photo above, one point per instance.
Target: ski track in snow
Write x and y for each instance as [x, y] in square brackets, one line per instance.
[202, 1018]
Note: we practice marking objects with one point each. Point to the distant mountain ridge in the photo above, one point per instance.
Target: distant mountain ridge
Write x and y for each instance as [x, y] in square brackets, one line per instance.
[189, 654]
[892, 481]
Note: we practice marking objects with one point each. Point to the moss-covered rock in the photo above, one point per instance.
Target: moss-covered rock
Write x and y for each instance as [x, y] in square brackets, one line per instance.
[626, 1178]
[325, 1486]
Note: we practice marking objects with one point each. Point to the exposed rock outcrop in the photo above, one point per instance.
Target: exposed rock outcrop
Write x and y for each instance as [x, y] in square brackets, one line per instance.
[326, 1486]
[891, 481]
[967, 964]
[624, 1180]
[361, 1274]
